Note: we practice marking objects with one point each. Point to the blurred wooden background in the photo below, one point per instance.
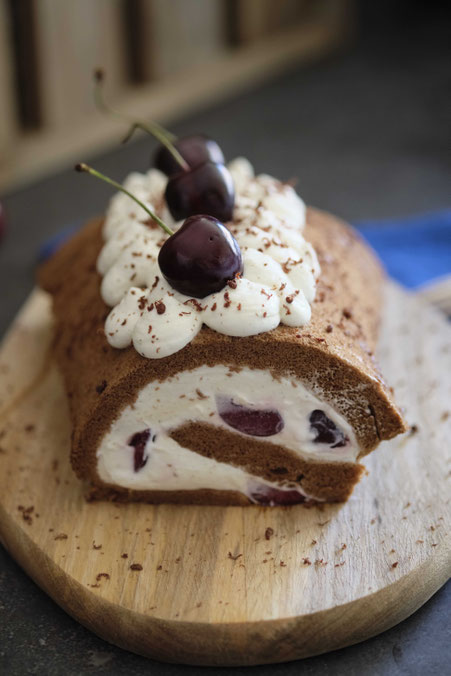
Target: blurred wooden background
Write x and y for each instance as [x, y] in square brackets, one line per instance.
[163, 58]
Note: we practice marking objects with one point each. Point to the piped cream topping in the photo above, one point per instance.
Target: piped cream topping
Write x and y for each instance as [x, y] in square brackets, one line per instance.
[280, 267]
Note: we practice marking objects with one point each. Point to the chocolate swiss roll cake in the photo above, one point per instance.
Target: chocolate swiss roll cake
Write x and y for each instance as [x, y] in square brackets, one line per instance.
[265, 391]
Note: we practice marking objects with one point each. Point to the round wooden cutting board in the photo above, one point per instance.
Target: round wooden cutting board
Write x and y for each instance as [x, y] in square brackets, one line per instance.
[233, 586]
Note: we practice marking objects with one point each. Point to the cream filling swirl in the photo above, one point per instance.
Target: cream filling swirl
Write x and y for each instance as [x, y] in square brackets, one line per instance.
[195, 396]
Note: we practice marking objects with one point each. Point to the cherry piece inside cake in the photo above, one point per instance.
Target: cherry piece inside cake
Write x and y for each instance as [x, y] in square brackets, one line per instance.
[326, 431]
[253, 421]
[270, 496]
[139, 442]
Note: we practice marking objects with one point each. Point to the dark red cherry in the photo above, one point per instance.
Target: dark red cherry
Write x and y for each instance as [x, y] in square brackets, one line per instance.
[205, 189]
[139, 441]
[267, 495]
[255, 422]
[326, 430]
[200, 257]
[195, 149]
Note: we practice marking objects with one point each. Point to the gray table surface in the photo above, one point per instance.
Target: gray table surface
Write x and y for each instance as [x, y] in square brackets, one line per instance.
[366, 134]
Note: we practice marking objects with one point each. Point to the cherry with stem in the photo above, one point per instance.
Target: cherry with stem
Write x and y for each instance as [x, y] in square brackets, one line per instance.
[200, 257]
[175, 153]
[198, 180]
[165, 137]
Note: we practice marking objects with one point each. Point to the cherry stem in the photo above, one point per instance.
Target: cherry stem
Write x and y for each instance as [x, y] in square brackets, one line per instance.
[165, 137]
[154, 131]
[89, 170]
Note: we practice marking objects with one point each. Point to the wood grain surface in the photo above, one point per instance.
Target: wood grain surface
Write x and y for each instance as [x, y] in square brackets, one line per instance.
[233, 586]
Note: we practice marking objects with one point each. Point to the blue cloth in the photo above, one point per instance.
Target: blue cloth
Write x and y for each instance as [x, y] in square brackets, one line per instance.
[52, 244]
[414, 250]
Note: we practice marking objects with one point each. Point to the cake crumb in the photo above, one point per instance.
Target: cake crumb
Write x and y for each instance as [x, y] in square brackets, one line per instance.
[94, 546]
[124, 556]
[100, 575]
[60, 536]
[283, 564]
[160, 567]
[413, 430]
[329, 328]
[395, 564]
[26, 513]
[269, 532]
[306, 561]
[101, 388]
[234, 558]
[136, 566]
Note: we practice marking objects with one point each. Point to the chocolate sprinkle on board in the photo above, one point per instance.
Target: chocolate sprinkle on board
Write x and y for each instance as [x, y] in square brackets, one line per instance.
[269, 532]
[100, 575]
[234, 558]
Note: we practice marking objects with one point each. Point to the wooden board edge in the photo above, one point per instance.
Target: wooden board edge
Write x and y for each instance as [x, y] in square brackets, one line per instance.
[227, 644]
